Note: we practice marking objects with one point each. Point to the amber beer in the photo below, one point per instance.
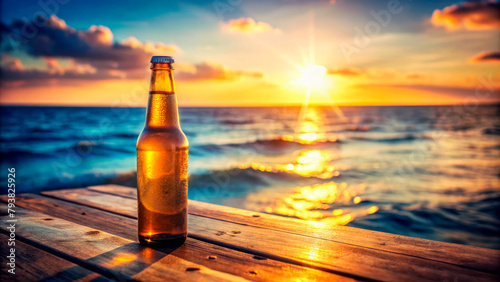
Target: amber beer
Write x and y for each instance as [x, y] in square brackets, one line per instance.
[162, 163]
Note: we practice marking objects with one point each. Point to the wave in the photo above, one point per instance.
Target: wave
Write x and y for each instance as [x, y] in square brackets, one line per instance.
[82, 148]
[269, 145]
[228, 182]
[32, 138]
[236, 122]
[126, 135]
[429, 219]
[16, 155]
[99, 148]
[358, 128]
[492, 131]
[288, 143]
[135, 135]
[405, 138]
[40, 129]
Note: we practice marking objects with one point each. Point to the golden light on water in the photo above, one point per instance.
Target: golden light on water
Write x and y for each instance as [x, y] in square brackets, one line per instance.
[309, 137]
[337, 212]
[308, 163]
[372, 210]
[313, 203]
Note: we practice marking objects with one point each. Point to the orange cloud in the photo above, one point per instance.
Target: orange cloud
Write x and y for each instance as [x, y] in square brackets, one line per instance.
[414, 76]
[15, 74]
[469, 15]
[11, 63]
[212, 71]
[485, 57]
[248, 25]
[345, 72]
[150, 47]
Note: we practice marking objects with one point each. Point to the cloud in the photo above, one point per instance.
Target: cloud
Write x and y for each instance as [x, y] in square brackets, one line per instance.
[377, 74]
[248, 25]
[493, 57]
[469, 15]
[14, 73]
[94, 47]
[415, 76]
[489, 92]
[93, 55]
[345, 72]
[370, 73]
[471, 92]
[11, 63]
[212, 71]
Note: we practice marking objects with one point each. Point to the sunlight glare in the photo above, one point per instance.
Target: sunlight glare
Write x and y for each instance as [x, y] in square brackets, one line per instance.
[313, 76]
[123, 259]
[309, 137]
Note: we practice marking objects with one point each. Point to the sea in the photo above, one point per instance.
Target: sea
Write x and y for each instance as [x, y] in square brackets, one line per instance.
[424, 171]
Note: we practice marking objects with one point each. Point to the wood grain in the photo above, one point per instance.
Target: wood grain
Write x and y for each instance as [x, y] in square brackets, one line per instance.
[321, 254]
[113, 189]
[468, 256]
[109, 255]
[215, 257]
[33, 264]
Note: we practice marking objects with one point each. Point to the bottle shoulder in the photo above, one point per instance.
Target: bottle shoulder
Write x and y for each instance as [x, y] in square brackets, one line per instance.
[157, 138]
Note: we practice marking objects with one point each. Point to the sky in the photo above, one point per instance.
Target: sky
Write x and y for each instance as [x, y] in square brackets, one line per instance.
[251, 52]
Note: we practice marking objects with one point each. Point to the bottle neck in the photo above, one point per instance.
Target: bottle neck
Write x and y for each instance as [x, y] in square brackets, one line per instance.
[162, 103]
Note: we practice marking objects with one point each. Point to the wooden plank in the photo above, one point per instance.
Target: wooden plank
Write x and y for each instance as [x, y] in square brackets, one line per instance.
[33, 264]
[468, 256]
[318, 253]
[107, 254]
[113, 204]
[216, 257]
[119, 190]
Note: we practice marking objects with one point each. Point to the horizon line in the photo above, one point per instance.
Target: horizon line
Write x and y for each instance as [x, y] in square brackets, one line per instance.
[244, 106]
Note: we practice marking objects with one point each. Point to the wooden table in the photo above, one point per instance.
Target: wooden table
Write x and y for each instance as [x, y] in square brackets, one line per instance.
[91, 234]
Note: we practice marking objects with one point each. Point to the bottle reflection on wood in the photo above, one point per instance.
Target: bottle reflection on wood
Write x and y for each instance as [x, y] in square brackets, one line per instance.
[162, 163]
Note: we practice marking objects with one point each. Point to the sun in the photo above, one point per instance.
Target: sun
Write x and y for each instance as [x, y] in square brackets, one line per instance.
[313, 76]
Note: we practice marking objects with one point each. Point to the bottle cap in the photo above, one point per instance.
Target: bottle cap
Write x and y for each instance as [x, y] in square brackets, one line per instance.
[162, 59]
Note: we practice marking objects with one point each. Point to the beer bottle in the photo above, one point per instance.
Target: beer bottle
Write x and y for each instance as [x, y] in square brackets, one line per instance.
[162, 163]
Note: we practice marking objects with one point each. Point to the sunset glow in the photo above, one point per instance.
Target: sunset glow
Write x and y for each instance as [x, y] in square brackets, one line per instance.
[233, 140]
[309, 137]
[264, 53]
[313, 76]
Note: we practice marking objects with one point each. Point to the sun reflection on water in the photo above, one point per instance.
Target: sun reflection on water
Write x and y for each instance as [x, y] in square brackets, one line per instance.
[308, 163]
[309, 138]
[314, 203]
[309, 202]
[322, 204]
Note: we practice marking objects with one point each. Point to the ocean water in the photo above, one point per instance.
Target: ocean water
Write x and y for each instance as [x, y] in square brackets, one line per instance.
[428, 172]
